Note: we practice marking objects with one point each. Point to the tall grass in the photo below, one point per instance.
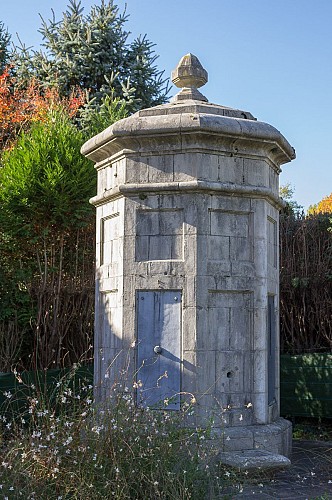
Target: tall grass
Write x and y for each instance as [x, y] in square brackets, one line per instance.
[64, 446]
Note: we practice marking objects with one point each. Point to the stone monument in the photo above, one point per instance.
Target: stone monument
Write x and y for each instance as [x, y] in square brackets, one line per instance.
[188, 265]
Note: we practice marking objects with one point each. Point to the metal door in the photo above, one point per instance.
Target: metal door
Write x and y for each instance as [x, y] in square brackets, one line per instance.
[271, 349]
[159, 349]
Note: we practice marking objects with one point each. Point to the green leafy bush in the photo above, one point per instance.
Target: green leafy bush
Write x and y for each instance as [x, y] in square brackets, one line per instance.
[45, 181]
[45, 221]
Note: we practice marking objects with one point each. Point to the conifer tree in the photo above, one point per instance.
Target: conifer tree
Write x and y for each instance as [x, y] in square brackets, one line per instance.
[93, 52]
[4, 44]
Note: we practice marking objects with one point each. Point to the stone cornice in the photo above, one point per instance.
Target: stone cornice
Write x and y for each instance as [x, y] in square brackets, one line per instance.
[177, 131]
[198, 186]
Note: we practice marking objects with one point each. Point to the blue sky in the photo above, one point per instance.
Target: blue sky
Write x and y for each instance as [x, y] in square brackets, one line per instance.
[270, 57]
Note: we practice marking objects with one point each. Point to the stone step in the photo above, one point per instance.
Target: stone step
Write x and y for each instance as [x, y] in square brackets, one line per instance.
[249, 460]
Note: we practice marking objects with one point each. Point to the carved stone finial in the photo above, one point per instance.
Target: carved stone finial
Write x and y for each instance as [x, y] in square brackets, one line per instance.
[189, 75]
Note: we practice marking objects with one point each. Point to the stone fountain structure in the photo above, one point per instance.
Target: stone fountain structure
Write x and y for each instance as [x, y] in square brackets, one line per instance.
[188, 262]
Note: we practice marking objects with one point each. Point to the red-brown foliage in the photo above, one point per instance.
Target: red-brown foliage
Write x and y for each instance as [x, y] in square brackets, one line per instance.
[19, 107]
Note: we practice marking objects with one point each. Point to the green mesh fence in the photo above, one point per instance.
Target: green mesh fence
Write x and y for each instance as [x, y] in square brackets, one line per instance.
[306, 385]
[17, 390]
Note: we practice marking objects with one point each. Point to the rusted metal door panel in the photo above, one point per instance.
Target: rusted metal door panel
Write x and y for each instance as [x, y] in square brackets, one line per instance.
[159, 348]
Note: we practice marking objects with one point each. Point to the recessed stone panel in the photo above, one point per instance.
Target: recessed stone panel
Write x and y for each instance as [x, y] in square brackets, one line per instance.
[159, 235]
[230, 236]
[272, 249]
[137, 169]
[231, 169]
[112, 175]
[230, 319]
[219, 323]
[224, 223]
[274, 181]
[110, 319]
[109, 234]
[218, 248]
[256, 172]
[240, 249]
[160, 168]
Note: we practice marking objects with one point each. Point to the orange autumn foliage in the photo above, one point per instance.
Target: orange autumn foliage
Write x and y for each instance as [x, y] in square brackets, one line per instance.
[19, 107]
[325, 205]
[322, 207]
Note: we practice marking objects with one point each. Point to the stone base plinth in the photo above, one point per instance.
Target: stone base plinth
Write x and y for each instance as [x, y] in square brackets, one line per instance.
[275, 438]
